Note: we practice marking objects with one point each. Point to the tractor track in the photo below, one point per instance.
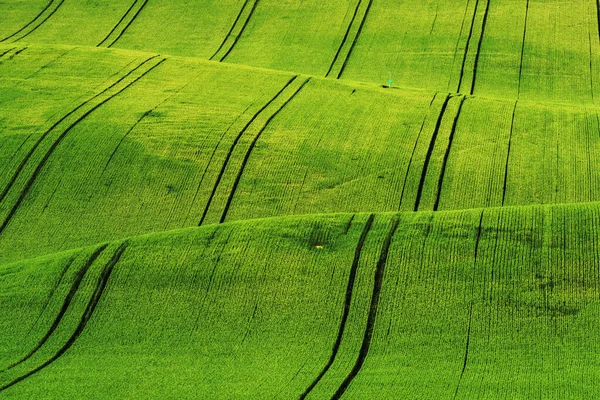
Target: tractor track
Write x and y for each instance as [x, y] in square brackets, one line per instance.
[468, 340]
[467, 45]
[347, 304]
[114, 29]
[378, 284]
[87, 315]
[430, 151]
[447, 154]
[230, 34]
[512, 124]
[414, 150]
[33, 22]
[55, 144]
[66, 303]
[235, 142]
[251, 147]
[345, 39]
[476, 63]
[523, 48]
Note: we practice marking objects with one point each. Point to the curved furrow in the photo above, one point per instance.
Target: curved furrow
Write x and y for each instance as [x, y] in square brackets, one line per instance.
[447, 154]
[233, 145]
[38, 21]
[234, 33]
[366, 343]
[347, 303]
[66, 303]
[29, 183]
[87, 315]
[129, 16]
[430, 152]
[251, 147]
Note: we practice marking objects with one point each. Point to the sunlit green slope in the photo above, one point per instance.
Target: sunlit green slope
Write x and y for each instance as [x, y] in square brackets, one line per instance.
[104, 144]
[489, 303]
[529, 49]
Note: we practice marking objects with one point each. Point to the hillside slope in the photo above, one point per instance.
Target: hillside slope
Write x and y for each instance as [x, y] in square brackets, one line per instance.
[489, 303]
[228, 199]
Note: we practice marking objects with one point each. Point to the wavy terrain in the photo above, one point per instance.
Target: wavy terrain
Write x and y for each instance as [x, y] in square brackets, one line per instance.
[266, 199]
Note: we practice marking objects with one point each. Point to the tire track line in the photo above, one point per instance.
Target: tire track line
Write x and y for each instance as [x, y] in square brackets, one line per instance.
[87, 315]
[251, 147]
[47, 132]
[366, 344]
[39, 17]
[347, 304]
[345, 39]
[598, 17]
[122, 31]
[468, 44]
[65, 306]
[523, 49]
[412, 155]
[447, 153]
[476, 64]
[512, 124]
[430, 151]
[234, 144]
[231, 35]
[55, 144]
[468, 340]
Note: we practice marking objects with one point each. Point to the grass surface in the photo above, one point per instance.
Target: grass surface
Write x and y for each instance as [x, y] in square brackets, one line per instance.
[225, 199]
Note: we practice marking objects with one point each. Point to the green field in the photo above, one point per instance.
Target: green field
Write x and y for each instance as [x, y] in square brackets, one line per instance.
[225, 199]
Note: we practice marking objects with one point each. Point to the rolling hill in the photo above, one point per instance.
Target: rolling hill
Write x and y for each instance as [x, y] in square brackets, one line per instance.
[227, 199]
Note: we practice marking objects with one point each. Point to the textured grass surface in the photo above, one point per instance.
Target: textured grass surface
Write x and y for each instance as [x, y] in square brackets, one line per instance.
[223, 199]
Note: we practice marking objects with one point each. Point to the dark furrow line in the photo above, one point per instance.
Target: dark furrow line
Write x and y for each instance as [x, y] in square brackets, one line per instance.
[232, 147]
[118, 23]
[50, 295]
[591, 66]
[7, 51]
[241, 31]
[523, 49]
[66, 303]
[230, 29]
[467, 342]
[462, 27]
[429, 152]
[347, 304]
[30, 22]
[598, 16]
[349, 224]
[475, 65]
[337, 53]
[214, 151]
[144, 115]
[468, 44]
[11, 56]
[251, 147]
[42, 22]
[360, 28]
[47, 132]
[54, 145]
[447, 154]
[512, 124]
[129, 23]
[413, 152]
[366, 344]
[87, 315]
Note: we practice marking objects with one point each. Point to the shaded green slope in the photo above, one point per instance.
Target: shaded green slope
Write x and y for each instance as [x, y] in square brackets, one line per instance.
[141, 143]
[492, 303]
